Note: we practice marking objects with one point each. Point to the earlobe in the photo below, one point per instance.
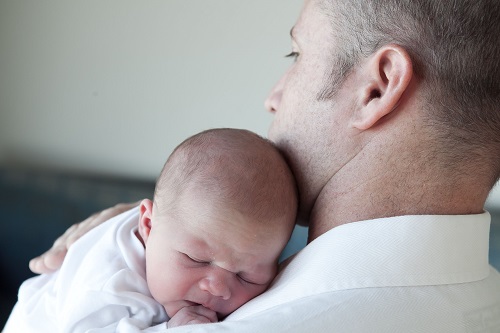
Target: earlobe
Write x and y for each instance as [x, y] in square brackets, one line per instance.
[388, 73]
[145, 217]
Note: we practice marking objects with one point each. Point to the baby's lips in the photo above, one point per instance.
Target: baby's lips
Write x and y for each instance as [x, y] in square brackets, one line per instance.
[210, 305]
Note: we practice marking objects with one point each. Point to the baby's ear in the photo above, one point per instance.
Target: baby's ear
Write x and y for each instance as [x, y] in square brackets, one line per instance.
[146, 213]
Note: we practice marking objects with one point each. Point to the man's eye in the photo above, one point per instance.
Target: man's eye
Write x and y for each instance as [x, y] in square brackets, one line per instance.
[294, 55]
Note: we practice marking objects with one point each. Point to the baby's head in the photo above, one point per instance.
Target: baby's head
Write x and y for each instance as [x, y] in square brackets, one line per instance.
[224, 208]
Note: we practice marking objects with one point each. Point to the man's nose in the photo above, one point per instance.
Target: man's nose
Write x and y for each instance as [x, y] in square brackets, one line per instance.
[217, 283]
[273, 101]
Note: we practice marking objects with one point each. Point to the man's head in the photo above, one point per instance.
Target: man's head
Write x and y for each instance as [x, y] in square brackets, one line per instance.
[224, 209]
[454, 47]
[415, 78]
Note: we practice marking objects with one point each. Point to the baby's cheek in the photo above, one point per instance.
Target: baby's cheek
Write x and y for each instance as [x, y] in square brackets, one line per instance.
[155, 287]
[251, 292]
[159, 287]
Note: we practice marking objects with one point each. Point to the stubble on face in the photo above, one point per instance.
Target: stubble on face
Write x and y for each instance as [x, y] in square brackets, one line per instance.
[310, 124]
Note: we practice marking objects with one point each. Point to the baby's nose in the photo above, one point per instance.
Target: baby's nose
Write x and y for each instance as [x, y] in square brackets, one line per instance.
[217, 283]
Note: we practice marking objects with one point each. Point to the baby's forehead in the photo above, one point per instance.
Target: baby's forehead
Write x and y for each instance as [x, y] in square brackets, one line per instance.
[226, 219]
[222, 216]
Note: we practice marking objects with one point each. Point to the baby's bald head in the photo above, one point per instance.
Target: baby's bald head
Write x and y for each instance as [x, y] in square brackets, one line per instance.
[231, 167]
[225, 201]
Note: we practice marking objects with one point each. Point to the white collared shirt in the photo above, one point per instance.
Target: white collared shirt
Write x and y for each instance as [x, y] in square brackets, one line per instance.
[400, 274]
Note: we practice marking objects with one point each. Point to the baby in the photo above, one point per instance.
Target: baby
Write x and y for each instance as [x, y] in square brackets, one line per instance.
[224, 208]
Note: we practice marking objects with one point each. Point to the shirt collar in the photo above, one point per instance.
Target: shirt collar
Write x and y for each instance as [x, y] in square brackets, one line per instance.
[398, 251]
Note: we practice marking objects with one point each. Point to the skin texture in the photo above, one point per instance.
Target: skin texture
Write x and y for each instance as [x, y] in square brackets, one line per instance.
[364, 153]
[207, 256]
[224, 208]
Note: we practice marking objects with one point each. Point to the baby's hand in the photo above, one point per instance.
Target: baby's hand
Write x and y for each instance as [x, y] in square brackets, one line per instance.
[195, 314]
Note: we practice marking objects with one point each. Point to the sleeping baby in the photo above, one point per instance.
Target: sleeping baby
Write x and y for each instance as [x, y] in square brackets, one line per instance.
[224, 208]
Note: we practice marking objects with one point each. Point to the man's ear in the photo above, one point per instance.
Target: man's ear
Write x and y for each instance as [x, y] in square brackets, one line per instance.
[386, 77]
[145, 217]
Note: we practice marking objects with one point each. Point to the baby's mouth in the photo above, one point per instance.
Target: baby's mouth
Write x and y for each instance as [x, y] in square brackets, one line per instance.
[209, 306]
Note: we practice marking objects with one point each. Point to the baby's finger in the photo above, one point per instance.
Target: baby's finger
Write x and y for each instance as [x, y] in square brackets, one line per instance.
[190, 315]
[205, 312]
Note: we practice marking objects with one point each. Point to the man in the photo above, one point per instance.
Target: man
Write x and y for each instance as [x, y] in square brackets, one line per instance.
[389, 116]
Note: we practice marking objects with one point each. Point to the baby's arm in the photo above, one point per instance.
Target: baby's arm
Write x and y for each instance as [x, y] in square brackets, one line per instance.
[52, 260]
[196, 314]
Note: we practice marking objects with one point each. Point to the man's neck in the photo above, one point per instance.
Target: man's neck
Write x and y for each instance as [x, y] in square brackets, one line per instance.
[393, 191]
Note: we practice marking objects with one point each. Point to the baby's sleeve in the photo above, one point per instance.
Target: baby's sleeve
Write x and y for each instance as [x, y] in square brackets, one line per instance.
[122, 304]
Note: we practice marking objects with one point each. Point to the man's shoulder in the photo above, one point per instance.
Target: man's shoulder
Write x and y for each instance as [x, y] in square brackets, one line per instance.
[445, 308]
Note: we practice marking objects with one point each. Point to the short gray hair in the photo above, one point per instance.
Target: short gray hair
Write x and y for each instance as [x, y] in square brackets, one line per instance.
[455, 48]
